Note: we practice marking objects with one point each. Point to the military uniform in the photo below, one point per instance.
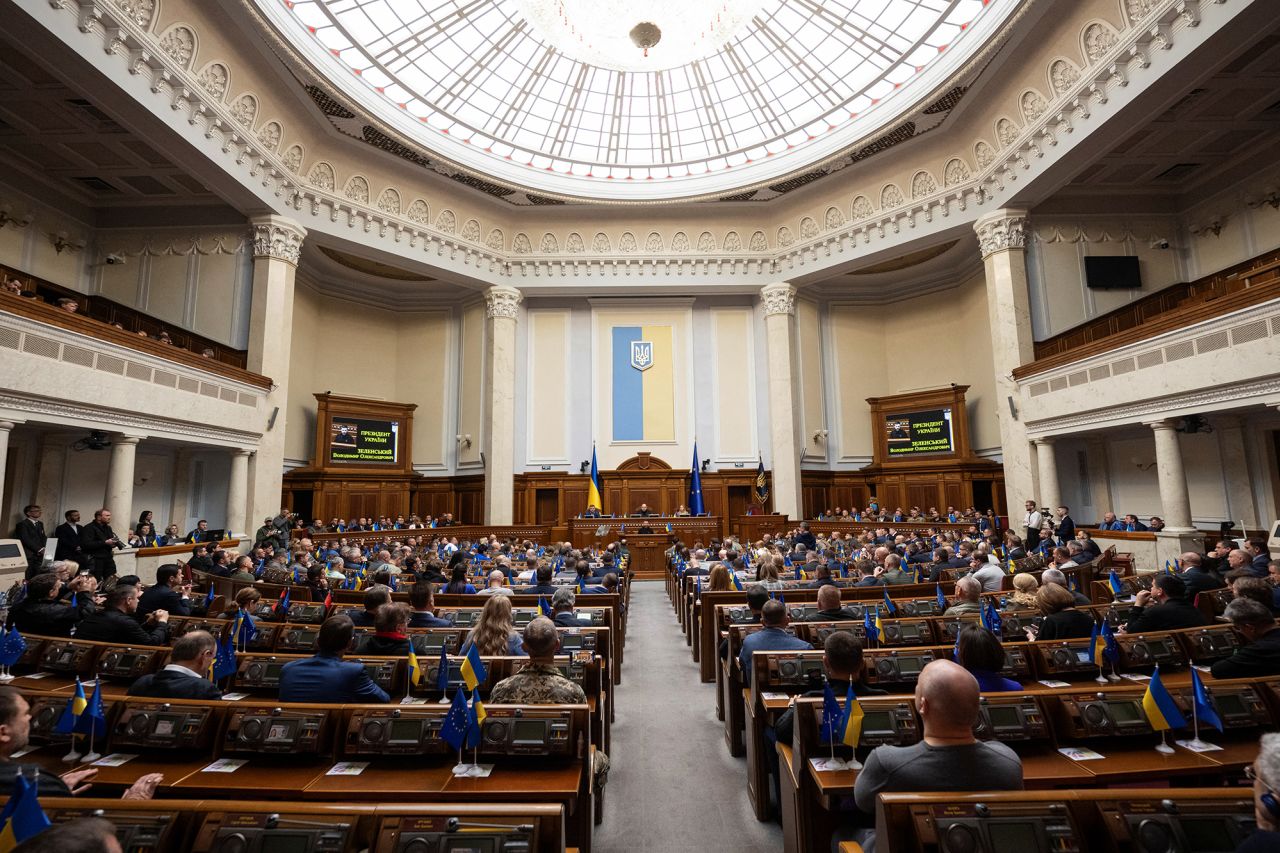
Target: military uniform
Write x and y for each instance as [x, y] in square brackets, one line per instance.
[537, 684]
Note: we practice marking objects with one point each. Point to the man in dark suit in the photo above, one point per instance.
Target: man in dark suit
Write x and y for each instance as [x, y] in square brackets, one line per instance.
[1066, 529]
[184, 676]
[115, 622]
[1196, 578]
[829, 609]
[198, 534]
[562, 604]
[30, 532]
[643, 511]
[805, 537]
[43, 611]
[773, 637]
[373, 599]
[98, 542]
[1171, 610]
[326, 677]
[68, 534]
[168, 593]
[1261, 657]
[421, 600]
[544, 586]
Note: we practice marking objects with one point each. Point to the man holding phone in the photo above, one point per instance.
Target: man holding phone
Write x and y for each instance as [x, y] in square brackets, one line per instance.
[99, 541]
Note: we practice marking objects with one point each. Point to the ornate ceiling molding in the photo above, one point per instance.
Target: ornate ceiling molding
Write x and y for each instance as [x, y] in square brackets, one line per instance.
[1110, 60]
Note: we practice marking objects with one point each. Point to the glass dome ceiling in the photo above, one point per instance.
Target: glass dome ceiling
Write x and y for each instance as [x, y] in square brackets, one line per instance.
[554, 96]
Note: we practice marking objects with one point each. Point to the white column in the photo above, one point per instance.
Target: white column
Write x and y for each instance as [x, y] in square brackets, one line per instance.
[120, 472]
[1237, 471]
[1047, 458]
[502, 307]
[6, 427]
[238, 491]
[784, 397]
[180, 505]
[1002, 239]
[48, 492]
[277, 245]
[1175, 502]
[1099, 475]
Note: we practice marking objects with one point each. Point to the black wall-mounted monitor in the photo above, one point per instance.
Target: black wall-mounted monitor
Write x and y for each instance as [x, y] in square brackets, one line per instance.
[1112, 272]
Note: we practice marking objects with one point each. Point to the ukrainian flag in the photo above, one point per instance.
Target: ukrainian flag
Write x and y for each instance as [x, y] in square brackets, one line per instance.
[473, 671]
[79, 702]
[593, 488]
[851, 722]
[1162, 712]
[415, 671]
[643, 384]
[22, 816]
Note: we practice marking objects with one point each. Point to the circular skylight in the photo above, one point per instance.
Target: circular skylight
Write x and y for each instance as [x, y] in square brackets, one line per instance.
[556, 96]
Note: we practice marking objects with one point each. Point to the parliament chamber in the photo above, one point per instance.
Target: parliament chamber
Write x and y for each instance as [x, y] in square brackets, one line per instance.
[721, 425]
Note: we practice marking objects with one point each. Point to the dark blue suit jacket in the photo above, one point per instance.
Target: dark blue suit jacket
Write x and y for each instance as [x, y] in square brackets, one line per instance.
[325, 678]
[1066, 530]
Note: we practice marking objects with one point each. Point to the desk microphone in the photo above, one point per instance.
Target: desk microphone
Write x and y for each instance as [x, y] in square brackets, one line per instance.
[453, 824]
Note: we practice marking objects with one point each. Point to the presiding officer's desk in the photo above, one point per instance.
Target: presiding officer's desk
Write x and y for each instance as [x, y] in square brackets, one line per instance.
[282, 751]
[223, 826]
[1130, 821]
[1036, 724]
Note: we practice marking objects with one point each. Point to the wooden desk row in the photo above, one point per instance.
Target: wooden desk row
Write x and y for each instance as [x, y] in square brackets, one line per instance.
[218, 826]
[815, 800]
[280, 751]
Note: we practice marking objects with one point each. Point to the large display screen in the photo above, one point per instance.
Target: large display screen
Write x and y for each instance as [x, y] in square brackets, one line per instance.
[916, 433]
[353, 440]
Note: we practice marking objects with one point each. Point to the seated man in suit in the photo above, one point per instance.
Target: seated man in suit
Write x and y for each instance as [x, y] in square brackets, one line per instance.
[1196, 577]
[643, 511]
[169, 593]
[390, 631]
[116, 623]
[842, 661]
[544, 586]
[821, 574]
[592, 511]
[1132, 524]
[588, 582]
[199, 533]
[562, 609]
[1110, 522]
[968, 594]
[829, 609]
[894, 573]
[1171, 608]
[773, 637]
[44, 612]
[421, 603]
[1261, 657]
[184, 676]
[326, 677]
[373, 599]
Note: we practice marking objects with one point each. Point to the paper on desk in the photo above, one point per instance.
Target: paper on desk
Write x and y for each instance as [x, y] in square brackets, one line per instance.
[347, 768]
[24, 751]
[1201, 667]
[234, 697]
[413, 700]
[479, 771]
[1049, 682]
[225, 765]
[1135, 676]
[1079, 753]
[36, 675]
[822, 764]
[772, 694]
[1198, 746]
[115, 759]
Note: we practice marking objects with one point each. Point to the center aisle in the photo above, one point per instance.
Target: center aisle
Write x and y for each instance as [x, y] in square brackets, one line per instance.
[673, 785]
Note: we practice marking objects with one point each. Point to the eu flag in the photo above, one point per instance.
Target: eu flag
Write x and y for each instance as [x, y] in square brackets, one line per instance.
[12, 648]
[942, 599]
[224, 663]
[208, 599]
[695, 486]
[442, 674]
[94, 719]
[830, 714]
[873, 634]
[1204, 710]
[454, 729]
[22, 816]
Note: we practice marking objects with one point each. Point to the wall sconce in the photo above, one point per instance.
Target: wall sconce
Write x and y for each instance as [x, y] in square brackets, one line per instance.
[464, 441]
[7, 217]
[819, 436]
[62, 241]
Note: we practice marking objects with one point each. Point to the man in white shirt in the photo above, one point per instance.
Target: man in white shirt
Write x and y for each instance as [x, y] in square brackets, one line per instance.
[1032, 521]
[497, 585]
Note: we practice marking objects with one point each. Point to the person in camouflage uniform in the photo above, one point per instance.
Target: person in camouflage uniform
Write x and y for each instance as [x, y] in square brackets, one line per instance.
[540, 682]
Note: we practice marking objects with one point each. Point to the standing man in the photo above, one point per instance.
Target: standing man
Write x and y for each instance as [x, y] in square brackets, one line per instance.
[1031, 522]
[68, 534]
[1066, 527]
[99, 541]
[30, 532]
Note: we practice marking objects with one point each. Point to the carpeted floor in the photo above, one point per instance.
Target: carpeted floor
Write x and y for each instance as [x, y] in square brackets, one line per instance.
[673, 785]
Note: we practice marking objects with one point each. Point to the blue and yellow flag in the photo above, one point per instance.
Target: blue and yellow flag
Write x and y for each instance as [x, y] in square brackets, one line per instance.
[872, 629]
[78, 701]
[473, 670]
[737, 582]
[1117, 588]
[1162, 712]
[851, 722]
[415, 671]
[475, 720]
[22, 816]
[889, 606]
[1204, 710]
[831, 715]
[643, 375]
[593, 488]
[453, 730]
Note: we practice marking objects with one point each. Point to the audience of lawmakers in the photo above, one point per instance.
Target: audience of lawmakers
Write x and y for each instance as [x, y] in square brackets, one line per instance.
[183, 677]
[325, 676]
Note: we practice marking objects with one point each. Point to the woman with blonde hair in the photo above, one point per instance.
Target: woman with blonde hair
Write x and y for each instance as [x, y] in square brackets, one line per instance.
[1024, 592]
[495, 633]
[718, 579]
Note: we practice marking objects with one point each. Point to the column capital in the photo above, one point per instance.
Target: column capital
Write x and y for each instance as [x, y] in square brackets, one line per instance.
[125, 438]
[502, 302]
[1000, 230]
[241, 452]
[778, 298]
[277, 238]
[1166, 424]
[1044, 441]
[8, 425]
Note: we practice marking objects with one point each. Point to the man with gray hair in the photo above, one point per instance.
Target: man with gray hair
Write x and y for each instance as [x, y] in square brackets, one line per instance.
[948, 758]
[1057, 576]
[1261, 657]
[184, 676]
[968, 592]
[562, 604]
[1265, 774]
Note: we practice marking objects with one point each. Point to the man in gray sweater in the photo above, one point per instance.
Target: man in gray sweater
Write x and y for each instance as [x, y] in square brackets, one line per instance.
[949, 758]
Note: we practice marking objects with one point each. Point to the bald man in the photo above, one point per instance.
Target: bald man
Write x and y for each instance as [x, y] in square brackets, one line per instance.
[829, 609]
[949, 758]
